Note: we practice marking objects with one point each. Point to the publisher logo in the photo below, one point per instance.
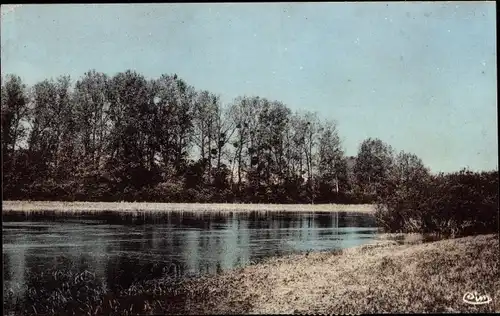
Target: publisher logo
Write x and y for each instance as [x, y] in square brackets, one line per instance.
[473, 298]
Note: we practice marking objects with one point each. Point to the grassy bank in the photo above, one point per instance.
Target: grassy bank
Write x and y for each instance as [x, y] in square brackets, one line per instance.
[396, 274]
[34, 206]
[400, 275]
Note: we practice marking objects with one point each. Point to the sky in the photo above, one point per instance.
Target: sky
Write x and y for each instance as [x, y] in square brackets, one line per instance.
[421, 76]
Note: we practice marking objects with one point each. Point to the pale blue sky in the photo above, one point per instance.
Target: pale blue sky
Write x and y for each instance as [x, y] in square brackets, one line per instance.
[420, 76]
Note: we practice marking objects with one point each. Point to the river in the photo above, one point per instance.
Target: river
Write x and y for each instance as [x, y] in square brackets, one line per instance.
[121, 250]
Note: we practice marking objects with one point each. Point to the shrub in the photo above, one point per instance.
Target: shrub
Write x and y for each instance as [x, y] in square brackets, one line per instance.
[457, 204]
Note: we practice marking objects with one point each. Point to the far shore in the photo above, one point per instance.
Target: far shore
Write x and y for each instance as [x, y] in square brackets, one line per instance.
[58, 206]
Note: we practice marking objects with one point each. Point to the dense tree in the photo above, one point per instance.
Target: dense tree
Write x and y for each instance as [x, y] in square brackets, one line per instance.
[14, 130]
[244, 118]
[173, 128]
[448, 205]
[408, 170]
[373, 165]
[51, 120]
[128, 138]
[224, 131]
[92, 118]
[130, 112]
[204, 124]
[14, 113]
[332, 165]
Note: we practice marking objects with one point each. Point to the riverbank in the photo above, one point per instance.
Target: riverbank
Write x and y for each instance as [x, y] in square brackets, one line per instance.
[396, 274]
[399, 275]
[75, 207]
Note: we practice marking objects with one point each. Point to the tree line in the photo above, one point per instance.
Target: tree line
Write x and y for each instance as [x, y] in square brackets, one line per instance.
[126, 137]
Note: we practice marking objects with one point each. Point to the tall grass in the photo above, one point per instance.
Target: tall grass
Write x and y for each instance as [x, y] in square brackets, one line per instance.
[66, 291]
[67, 207]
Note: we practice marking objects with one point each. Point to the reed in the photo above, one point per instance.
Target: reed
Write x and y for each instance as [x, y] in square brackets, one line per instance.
[136, 207]
[65, 292]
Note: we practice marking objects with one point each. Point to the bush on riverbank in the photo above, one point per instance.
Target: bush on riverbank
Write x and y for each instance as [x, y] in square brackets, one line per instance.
[449, 205]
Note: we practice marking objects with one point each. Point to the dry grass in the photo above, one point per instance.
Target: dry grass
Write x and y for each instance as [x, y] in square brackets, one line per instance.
[378, 278]
[384, 277]
[407, 239]
[126, 207]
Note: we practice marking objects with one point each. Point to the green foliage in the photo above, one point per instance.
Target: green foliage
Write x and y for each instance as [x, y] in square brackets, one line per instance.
[373, 166]
[457, 204]
[127, 138]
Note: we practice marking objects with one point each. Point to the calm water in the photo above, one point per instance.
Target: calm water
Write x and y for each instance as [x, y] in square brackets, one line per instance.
[121, 250]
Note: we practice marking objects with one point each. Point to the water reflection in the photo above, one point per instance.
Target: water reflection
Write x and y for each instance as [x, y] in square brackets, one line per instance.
[123, 249]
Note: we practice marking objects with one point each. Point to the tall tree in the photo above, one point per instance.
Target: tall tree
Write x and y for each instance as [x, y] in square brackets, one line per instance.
[332, 166]
[129, 113]
[126, 134]
[373, 165]
[307, 131]
[14, 114]
[244, 116]
[206, 107]
[51, 118]
[409, 171]
[92, 118]
[225, 128]
[14, 117]
[173, 127]
[294, 140]
[66, 151]
[272, 124]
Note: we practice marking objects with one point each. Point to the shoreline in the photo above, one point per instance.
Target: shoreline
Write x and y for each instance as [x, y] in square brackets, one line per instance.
[397, 273]
[76, 207]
